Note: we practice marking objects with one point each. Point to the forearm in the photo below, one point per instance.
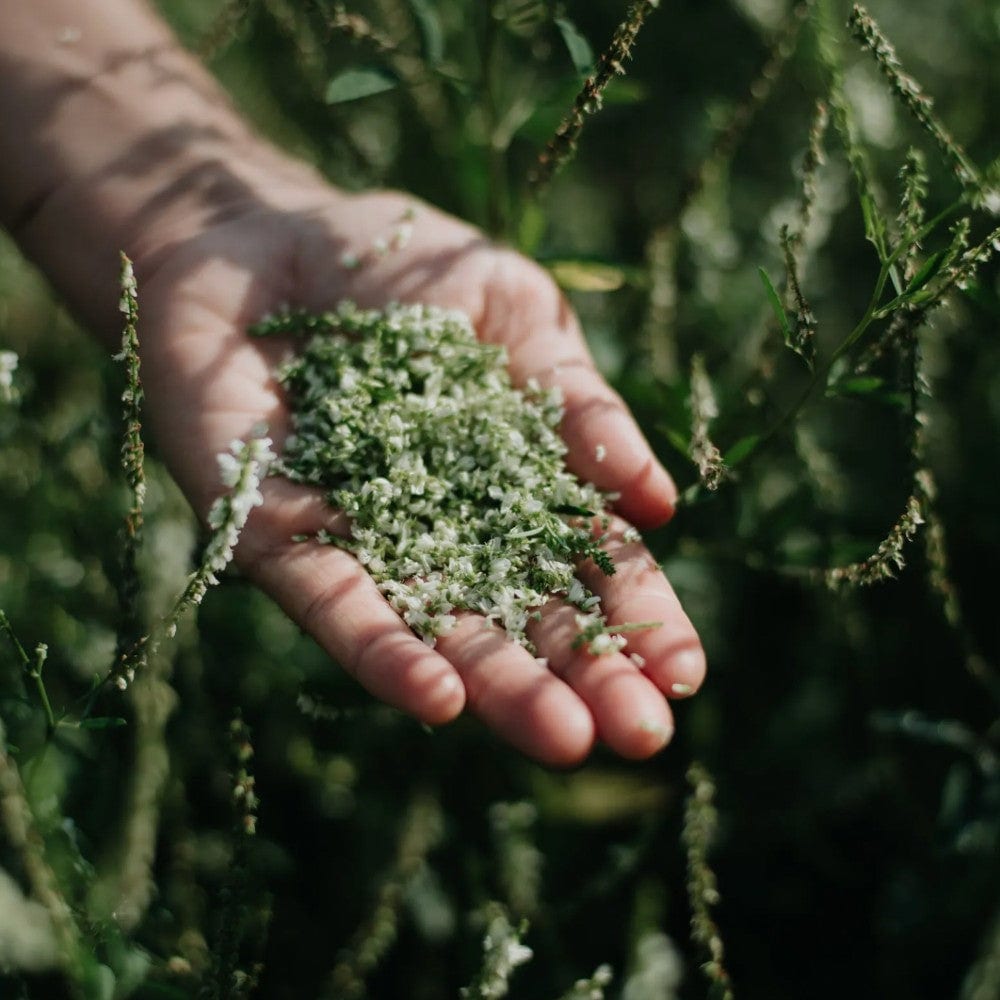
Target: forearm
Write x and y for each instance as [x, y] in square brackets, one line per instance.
[111, 137]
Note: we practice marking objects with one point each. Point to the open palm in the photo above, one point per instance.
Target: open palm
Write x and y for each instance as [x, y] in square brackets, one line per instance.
[208, 383]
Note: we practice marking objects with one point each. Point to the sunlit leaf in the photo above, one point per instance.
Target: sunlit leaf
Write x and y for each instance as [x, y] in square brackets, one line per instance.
[361, 81]
[863, 385]
[875, 228]
[431, 34]
[739, 451]
[579, 48]
[870, 387]
[931, 268]
[587, 276]
[775, 299]
[531, 227]
[625, 90]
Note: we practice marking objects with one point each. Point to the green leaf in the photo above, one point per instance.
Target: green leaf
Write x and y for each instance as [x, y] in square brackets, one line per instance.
[863, 385]
[870, 387]
[105, 722]
[631, 627]
[775, 300]
[362, 81]
[676, 438]
[874, 225]
[531, 227]
[931, 268]
[579, 48]
[625, 90]
[895, 279]
[587, 275]
[743, 448]
[431, 35]
[568, 508]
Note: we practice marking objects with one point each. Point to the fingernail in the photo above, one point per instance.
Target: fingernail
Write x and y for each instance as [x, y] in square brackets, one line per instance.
[659, 730]
[681, 690]
[447, 698]
[688, 662]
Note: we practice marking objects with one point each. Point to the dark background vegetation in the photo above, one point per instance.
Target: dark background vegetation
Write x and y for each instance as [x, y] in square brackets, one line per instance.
[855, 755]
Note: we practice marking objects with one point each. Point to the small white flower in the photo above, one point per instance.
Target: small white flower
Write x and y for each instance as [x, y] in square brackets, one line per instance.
[605, 643]
[8, 365]
[229, 468]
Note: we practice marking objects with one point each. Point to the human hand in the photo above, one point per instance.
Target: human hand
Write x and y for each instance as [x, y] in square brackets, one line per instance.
[285, 243]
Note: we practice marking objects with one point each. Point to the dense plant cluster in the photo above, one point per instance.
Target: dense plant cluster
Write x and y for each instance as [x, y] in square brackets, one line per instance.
[453, 480]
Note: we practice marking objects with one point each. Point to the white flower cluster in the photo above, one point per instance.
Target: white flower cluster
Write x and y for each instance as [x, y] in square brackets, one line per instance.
[454, 480]
[704, 409]
[659, 969]
[8, 365]
[241, 468]
[502, 954]
[27, 937]
[592, 988]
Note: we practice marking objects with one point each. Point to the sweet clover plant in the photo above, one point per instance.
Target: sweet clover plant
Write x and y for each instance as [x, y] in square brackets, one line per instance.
[453, 479]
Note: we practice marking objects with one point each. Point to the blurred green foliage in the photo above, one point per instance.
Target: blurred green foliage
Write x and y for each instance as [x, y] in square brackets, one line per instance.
[850, 733]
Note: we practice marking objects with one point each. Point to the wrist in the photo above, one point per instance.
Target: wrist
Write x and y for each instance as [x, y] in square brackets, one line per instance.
[115, 138]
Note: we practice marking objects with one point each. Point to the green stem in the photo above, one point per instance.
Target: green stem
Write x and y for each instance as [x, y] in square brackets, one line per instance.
[8, 630]
[33, 669]
[35, 673]
[873, 312]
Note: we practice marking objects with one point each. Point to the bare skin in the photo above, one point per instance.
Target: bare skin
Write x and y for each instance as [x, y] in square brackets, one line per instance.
[223, 229]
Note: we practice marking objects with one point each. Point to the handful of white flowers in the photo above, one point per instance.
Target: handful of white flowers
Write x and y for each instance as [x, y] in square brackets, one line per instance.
[453, 479]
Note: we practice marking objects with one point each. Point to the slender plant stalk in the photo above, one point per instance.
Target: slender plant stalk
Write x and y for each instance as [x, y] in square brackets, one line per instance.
[661, 250]
[906, 89]
[700, 824]
[873, 312]
[982, 982]
[131, 884]
[420, 832]
[33, 670]
[562, 146]
[227, 980]
[132, 458]
[728, 137]
[519, 861]
[23, 835]
[712, 470]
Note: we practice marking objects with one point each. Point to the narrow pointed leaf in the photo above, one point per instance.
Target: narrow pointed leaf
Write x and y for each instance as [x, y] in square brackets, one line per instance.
[579, 48]
[431, 34]
[743, 448]
[587, 276]
[361, 81]
[931, 268]
[102, 723]
[775, 299]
